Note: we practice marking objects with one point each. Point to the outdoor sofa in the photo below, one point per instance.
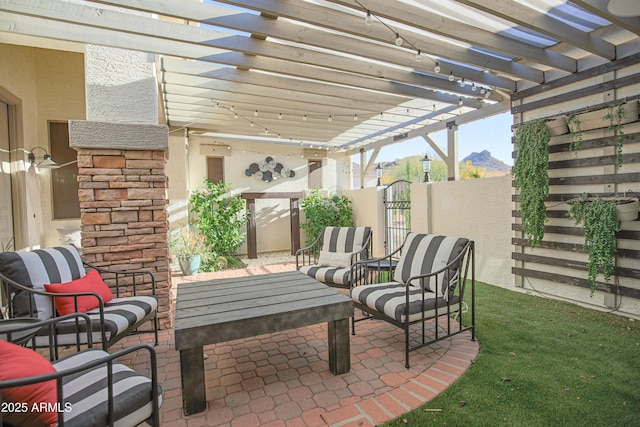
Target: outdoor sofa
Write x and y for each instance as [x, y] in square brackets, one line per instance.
[46, 283]
[89, 388]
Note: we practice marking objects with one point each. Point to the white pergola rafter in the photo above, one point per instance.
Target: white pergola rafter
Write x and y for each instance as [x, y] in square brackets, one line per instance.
[296, 59]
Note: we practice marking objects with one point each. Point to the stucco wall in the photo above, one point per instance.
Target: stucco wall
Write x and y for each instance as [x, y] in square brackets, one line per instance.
[479, 209]
[45, 85]
[272, 216]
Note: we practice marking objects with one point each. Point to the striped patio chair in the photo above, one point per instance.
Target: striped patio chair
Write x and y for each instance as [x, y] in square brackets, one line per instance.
[429, 281]
[332, 258]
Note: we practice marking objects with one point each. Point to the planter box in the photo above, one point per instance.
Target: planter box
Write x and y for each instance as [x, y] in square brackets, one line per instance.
[557, 126]
[595, 119]
[624, 211]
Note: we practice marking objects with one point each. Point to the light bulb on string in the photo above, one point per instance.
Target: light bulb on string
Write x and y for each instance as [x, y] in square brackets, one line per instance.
[368, 19]
[482, 91]
[451, 78]
[279, 116]
[418, 56]
[487, 94]
[437, 68]
[252, 124]
[398, 40]
[235, 116]
[473, 87]
[255, 113]
[355, 117]
[461, 82]
[330, 119]
[304, 118]
[460, 102]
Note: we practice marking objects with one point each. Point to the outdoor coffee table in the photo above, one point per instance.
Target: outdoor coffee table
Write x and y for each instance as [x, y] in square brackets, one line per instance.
[227, 309]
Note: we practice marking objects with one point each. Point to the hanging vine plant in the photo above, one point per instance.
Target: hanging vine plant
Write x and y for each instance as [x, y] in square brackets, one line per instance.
[600, 223]
[616, 117]
[530, 174]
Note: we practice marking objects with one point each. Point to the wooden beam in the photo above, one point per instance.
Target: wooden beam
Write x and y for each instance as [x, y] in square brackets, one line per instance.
[527, 17]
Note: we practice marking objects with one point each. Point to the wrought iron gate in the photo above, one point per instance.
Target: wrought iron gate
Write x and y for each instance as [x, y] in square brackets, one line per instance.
[397, 214]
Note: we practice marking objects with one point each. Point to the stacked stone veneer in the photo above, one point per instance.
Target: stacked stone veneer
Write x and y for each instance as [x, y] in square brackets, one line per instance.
[123, 205]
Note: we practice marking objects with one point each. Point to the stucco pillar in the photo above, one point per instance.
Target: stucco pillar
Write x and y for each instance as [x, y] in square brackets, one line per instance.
[122, 155]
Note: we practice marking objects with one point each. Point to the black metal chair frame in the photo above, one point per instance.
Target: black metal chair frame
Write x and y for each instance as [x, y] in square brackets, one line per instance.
[466, 258]
[309, 256]
[6, 285]
[107, 360]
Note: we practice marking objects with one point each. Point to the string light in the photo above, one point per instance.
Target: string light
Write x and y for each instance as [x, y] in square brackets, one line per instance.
[399, 40]
[418, 55]
[355, 117]
[461, 82]
[460, 102]
[279, 116]
[255, 113]
[304, 118]
[368, 19]
[330, 119]
[436, 69]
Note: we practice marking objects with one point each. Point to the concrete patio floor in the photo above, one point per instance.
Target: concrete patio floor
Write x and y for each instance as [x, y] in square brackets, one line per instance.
[283, 379]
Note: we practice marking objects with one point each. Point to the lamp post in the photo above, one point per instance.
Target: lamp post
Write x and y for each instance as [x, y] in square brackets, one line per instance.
[426, 167]
[378, 174]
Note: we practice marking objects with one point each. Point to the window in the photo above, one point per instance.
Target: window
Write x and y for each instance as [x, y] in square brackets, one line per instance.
[64, 180]
[315, 173]
[215, 169]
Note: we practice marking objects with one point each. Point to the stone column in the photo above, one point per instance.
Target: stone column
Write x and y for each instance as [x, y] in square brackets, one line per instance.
[121, 160]
[123, 199]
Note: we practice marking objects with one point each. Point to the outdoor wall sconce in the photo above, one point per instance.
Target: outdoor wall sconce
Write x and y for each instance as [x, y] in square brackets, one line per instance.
[378, 174]
[426, 167]
[268, 170]
[45, 162]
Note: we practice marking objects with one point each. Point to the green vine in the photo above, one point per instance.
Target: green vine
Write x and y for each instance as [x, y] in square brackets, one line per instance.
[616, 118]
[600, 223]
[574, 123]
[530, 173]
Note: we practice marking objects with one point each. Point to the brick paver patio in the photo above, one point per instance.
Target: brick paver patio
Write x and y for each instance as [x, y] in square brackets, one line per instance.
[283, 379]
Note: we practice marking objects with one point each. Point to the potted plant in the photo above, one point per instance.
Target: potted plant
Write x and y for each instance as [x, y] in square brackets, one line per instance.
[190, 247]
[530, 176]
[599, 218]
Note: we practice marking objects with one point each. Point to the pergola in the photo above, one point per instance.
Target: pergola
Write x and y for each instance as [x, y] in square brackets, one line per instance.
[342, 75]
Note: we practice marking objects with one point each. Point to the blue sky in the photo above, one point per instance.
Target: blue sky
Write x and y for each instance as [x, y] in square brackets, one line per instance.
[492, 134]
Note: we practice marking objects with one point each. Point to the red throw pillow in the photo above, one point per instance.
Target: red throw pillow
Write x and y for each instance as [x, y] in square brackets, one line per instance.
[29, 405]
[91, 282]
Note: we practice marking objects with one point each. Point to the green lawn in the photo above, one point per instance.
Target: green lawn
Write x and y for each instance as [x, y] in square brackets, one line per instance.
[542, 363]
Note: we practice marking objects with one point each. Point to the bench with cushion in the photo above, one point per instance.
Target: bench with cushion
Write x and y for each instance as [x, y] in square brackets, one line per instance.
[46, 283]
[429, 281]
[88, 388]
[332, 257]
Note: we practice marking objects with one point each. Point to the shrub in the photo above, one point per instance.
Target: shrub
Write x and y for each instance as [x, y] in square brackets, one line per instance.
[220, 217]
[324, 211]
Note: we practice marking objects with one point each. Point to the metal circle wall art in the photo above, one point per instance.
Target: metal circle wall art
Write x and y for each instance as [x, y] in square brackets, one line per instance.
[268, 170]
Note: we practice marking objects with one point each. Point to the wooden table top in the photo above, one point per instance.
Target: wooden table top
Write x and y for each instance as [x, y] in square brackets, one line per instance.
[225, 309]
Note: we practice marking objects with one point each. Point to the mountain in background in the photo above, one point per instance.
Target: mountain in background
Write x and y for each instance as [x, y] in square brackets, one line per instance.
[487, 162]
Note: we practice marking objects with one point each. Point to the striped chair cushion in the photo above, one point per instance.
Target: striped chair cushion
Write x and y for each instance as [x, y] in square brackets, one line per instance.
[331, 275]
[424, 253]
[390, 298]
[119, 314]
[87, 392]
[36, 268]
[344, 239]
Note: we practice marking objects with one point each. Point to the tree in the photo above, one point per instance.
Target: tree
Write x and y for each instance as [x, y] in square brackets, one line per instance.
[469, 171]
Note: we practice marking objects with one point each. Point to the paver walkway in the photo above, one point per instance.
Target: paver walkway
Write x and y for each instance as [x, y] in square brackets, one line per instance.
[283, 379]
